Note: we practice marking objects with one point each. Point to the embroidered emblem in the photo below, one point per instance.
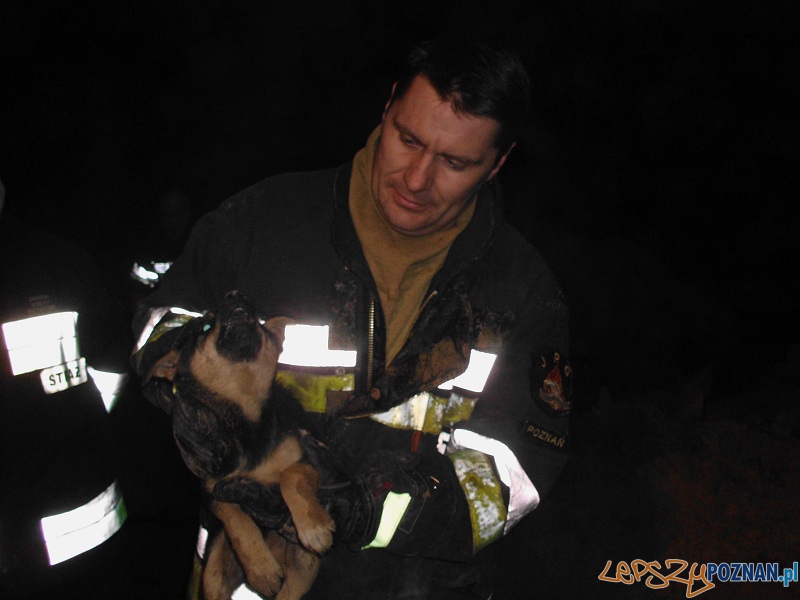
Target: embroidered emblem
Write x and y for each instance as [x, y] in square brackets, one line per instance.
[555, 390]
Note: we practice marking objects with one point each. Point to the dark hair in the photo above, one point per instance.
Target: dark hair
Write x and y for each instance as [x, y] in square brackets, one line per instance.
[478, 79]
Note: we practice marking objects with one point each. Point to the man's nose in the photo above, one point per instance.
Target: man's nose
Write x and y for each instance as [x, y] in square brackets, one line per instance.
[419, 173]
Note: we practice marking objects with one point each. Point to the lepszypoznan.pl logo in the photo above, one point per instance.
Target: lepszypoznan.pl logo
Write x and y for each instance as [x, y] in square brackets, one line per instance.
[697, 578]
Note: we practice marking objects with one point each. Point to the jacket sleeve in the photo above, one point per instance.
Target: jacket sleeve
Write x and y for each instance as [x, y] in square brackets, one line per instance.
[491, 469]
[502, 428]
[512, 449]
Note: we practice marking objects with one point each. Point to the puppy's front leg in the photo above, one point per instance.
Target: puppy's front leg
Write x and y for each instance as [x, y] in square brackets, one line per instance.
[264, 573]
[223, 573]
[299, 483]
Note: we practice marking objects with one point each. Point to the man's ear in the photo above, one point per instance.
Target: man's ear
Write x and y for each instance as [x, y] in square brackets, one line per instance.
[500, 162]
[165, 367]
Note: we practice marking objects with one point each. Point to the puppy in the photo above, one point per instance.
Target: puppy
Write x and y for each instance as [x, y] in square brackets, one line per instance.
[239, 431]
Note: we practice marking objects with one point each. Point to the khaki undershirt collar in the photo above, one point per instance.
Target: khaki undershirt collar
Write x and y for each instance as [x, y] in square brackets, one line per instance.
[402, 266]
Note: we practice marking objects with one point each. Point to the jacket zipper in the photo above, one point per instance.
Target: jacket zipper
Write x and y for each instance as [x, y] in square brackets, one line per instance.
[370, 341]
[371, 332]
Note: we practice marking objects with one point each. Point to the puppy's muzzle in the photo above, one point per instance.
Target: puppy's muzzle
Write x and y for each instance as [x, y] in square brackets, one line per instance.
[240, 333]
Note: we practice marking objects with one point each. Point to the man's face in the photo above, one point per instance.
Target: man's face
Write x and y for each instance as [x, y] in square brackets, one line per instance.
[430, 160]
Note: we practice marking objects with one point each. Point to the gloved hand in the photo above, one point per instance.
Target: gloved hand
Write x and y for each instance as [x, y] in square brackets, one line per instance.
[160, 348]
[407, 503]
[264, 504]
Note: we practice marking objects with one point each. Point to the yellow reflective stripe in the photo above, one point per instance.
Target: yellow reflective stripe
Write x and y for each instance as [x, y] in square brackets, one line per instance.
[428, 412]
[394, 507]
[474, 378]
[71, 533]
[202, 542]
[311, 388]
[154, 329]
[178, 320]
[523, 495]
[36, 330]
[411, 414]
[484, 496]
[109, 385]
[40, 342]
[307, 346]
[153, 317]
[459, 408]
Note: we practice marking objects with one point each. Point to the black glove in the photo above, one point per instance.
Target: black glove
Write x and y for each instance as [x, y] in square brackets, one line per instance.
[155, 389]
[413, 503]
[264, 504]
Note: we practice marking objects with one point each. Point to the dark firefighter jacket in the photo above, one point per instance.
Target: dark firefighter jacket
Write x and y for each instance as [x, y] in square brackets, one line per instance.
[58, 492]
[289, 244]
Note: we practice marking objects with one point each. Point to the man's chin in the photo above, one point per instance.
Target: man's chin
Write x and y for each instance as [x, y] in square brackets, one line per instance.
[410, 227]
[405, 221]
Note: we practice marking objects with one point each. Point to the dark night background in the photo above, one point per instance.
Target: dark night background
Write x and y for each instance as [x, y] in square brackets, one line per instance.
[658, 177]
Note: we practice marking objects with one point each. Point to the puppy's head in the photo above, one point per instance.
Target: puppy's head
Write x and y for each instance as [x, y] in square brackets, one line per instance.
[226, 356]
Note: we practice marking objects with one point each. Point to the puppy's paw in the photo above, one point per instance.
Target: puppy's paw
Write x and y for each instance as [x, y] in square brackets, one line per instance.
[265, 576]
[316, 531]
[261, 568]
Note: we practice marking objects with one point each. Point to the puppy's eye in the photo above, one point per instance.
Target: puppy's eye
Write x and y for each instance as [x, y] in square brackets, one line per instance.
[206, 327]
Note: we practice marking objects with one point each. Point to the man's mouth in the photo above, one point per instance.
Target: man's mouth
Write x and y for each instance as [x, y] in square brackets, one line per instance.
[408, 202]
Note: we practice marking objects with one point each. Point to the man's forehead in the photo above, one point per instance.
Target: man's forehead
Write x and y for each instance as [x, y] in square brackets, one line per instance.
[429, 117]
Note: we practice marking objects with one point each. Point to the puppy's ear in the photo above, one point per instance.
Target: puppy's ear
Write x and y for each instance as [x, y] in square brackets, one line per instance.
[277, 327]
[165, 367]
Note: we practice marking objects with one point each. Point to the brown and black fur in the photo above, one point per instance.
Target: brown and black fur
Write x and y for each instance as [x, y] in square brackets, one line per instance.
[235, 426]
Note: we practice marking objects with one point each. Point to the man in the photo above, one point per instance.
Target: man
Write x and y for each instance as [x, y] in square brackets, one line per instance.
[451, 418]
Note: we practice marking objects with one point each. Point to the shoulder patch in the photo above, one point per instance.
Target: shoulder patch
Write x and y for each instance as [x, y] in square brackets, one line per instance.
[552, 383]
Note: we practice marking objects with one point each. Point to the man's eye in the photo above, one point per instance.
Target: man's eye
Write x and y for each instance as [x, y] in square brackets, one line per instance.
[408, 141]
[453, 165]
